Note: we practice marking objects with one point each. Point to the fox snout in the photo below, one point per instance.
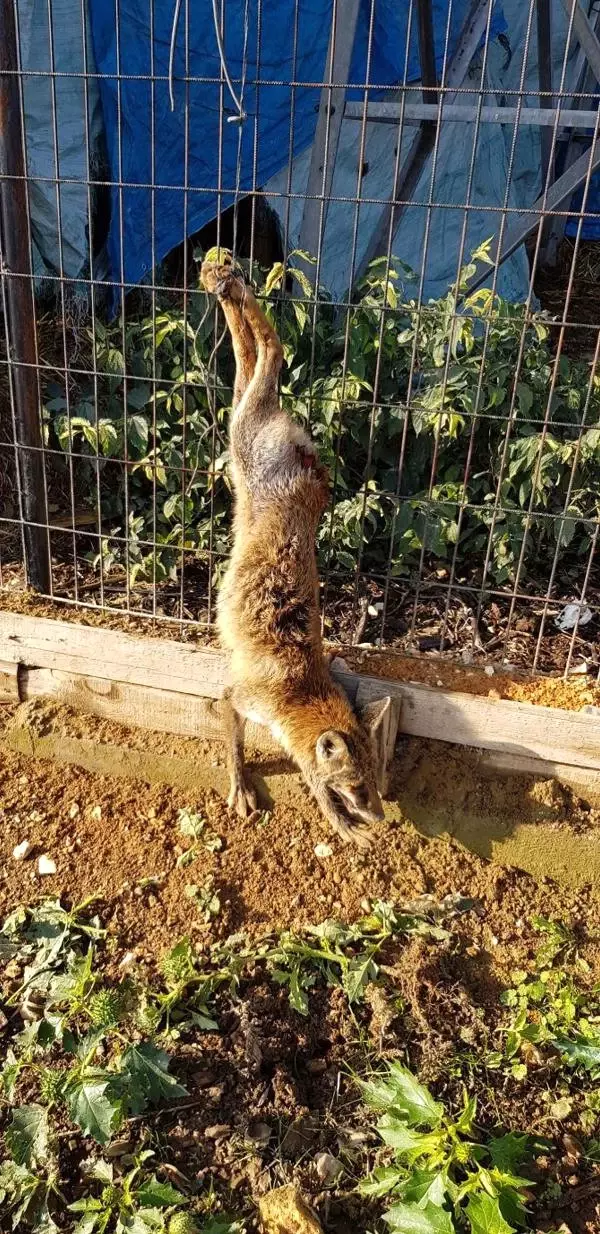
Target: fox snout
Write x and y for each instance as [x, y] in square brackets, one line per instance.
[361, 801]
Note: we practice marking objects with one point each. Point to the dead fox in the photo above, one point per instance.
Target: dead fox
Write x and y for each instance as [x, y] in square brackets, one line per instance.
[268, 608]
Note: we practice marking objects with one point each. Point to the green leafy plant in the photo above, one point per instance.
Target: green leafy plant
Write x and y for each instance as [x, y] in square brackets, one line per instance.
[132, 1203]
[550, 1007]
[29, 1183]
[469, 374]
[193, 826]
[342, 955]
[441, 1175]
[205, 898]
[28, 1195]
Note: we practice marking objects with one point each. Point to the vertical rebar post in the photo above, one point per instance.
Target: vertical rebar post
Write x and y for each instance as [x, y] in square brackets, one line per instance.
[20, 307]
[427, 50]
[544, 50]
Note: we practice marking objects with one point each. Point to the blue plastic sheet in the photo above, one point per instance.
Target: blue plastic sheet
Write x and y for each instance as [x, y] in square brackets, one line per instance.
[146, 224]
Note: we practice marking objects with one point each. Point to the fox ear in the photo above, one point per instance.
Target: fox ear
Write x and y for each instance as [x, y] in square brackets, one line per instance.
[330, 745]
[380, 717]
[373, 713]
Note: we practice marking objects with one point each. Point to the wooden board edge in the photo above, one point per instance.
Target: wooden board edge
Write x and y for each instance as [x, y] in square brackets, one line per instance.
[519, 730]
[9, 682]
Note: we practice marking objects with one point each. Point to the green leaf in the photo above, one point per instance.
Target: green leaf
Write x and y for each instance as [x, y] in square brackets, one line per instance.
[482, 252]
[298, 996]
[87, 1224]
[274, 277]
[406, 1139]
[357, 976]
[509, 1151]
[399, 1089]
[150, 1069]
[154, 1194]
[138, 431]
[27, 1136]
[426, 1186]
[304, 282]
[579, 1053]
[7, 950]
[137, 396]
[412, 1219]
[381, 1181]
[143, 1222]
[87, 1205]
[483, 1212]
[92, 1110]
[114, 362]
[525, 397]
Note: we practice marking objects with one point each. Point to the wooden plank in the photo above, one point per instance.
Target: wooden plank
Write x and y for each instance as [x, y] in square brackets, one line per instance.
[586, 34]
[408, 173]
[387, 112]
[582, 779]
[544, 41]
[41, 642]
[500, 725]
[137, 706]
[557, 196]
[9, 682]
[175, 669]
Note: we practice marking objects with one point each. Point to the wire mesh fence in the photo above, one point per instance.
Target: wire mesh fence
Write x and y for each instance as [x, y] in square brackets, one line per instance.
[413, 190]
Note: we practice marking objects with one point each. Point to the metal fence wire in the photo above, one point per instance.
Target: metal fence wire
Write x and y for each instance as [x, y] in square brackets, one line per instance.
[412, 187]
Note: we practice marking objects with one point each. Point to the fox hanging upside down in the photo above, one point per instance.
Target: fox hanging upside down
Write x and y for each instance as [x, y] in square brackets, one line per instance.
[268, 611]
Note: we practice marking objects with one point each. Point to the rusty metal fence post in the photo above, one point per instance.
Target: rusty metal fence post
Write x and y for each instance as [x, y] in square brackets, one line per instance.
[20, 309]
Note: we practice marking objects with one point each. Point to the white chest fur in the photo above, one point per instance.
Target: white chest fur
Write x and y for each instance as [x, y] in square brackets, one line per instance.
[276, 730]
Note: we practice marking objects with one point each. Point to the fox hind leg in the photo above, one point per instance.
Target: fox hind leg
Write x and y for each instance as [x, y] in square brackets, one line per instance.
[221, 281]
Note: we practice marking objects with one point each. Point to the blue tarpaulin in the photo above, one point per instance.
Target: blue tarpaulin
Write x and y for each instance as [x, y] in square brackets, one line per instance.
[138, 117]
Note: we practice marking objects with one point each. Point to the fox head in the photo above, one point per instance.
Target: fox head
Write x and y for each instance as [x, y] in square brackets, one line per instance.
[340, 756]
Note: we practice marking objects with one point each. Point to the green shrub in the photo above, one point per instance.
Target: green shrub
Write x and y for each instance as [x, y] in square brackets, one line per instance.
[483, 389]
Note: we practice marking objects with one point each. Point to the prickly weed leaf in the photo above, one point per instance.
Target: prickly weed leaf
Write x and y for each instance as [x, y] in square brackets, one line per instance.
[399, 1090]
[27, 1137]
[425, 1186]
[154, 1194]
[509, 1151]
[483, 1212]
[144, 1221]
[412, 1219]
[93, 1110]
[407, 1140]
[382, 1180]
[150, 1069]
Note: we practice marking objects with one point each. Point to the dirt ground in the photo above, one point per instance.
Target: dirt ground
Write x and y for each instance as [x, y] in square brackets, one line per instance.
[570, 693]
[121, 840]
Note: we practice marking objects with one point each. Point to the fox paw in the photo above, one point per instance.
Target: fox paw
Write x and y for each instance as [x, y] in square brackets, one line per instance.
[242, 798]
[221, 281]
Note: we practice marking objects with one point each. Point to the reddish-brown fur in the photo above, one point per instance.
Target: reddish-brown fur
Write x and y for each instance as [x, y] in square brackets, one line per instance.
[268, 608]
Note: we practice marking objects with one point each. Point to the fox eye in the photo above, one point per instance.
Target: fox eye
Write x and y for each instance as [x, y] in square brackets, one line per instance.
[360, 795]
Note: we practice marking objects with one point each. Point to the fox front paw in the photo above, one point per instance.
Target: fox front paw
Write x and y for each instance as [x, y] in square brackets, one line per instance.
[242, 798]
